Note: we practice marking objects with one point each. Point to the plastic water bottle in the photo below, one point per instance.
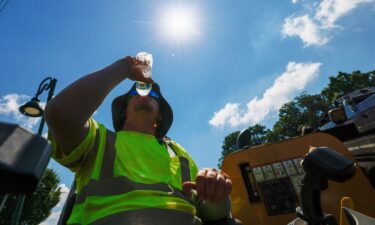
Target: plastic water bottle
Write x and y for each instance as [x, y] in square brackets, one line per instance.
[145, 58]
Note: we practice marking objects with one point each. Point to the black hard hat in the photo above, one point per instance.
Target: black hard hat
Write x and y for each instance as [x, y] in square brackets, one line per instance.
[120, 102]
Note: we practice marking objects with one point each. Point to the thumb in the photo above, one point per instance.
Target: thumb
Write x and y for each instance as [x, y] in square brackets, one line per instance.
[187, 187]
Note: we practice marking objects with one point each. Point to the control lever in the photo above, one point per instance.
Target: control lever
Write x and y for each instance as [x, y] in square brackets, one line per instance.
[321, 164]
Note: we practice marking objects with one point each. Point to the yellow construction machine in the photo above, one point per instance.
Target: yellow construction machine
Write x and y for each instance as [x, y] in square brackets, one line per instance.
[317, 178]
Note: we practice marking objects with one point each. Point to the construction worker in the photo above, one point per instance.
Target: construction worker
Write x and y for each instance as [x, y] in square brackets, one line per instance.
[133, 175]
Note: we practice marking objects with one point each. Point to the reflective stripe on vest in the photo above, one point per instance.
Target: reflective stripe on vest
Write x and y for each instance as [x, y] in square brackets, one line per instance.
[115, 186]
[185, 170]
[148, 216]
[104, 195]
[96, 207]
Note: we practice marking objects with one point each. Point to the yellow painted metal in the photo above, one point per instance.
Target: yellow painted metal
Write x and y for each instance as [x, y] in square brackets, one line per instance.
[358, 188]
[348, 203]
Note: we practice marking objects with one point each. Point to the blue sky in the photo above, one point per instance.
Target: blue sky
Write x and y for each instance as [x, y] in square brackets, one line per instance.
[222, 65]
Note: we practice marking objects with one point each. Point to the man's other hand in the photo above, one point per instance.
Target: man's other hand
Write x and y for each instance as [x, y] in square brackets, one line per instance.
[211, 185]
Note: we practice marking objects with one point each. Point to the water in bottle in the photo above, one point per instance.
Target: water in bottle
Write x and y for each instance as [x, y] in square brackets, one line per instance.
[145, 65]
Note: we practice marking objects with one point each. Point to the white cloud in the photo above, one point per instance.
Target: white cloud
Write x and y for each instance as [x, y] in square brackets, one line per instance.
[306, 29]
[228, 114]
[294, 1]
[315, 28]
[329, 11]
[285, 86]
[64, 194]
[55, 215]
[9, 105]
[52, 219]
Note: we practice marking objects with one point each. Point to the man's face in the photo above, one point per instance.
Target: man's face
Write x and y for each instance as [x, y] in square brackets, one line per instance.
[142, 107]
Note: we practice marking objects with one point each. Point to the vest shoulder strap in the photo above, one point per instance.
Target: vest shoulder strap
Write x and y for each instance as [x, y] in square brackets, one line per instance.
[171, 151]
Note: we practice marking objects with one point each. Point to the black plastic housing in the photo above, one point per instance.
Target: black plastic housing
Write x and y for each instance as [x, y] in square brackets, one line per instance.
[329, 164]
[23, 158]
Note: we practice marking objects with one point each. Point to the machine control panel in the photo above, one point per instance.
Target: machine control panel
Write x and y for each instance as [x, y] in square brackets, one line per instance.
[277, 185]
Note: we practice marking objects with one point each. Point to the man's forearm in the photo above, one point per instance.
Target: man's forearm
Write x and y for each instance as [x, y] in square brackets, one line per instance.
[71, 108]
[86, 94]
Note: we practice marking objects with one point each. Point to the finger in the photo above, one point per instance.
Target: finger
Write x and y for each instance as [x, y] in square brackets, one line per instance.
[210, 185]
[228, 187]
[201, 184]
[137, 73]
[137, 61]
[226, 176]
[187, 187]
[220, 189]
[228, 181]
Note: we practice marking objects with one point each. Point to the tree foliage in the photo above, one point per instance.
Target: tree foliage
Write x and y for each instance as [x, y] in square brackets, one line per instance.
[344, 83]
[303, 110]
[258, 134]
[38, 205]
[258, 137]
[229, 146]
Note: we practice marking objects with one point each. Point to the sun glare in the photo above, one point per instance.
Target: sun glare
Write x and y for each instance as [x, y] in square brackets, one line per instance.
[179, 24]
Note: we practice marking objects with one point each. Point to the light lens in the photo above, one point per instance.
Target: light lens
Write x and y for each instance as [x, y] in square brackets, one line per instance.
[32, 111]
[337, 115]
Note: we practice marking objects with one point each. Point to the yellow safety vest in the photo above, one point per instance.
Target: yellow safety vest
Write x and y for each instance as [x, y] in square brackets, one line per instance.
[134, 181]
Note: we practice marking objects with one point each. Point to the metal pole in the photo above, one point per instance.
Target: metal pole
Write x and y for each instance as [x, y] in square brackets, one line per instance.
[3, 202]
[40, 130]
[50, 95]
[21, 199]
[17, 214]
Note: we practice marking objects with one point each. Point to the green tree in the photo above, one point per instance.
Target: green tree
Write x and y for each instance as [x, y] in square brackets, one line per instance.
[304, 110]
[38, 205]
[229, 146]
[344, 83]
[307, 110]
[258, 136]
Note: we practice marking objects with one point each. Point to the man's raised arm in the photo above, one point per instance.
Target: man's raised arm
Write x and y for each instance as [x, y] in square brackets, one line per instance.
[67, 113]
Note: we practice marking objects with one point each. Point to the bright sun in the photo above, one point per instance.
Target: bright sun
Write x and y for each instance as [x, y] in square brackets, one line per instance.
[179, 24]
